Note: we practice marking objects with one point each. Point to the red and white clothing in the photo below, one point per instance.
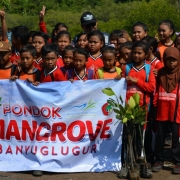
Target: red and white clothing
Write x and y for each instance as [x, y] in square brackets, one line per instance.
[15, 57]
[55, 75]
[59, 62]
[168, 108]
[42, 27]
[155, 63]
[144, 89]
[94, 63]
[38, 63]
[72, 74]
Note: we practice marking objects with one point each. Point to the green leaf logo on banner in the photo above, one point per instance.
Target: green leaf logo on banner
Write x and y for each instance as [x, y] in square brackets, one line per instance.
[108, 91]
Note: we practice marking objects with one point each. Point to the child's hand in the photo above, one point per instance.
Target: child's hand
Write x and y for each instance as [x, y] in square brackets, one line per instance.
[2, 14]
[13, 78]
[36, 83]
[42, 14]
[71, 80]
[118, 77]
[155, 72]
[29, 80]
[131, 79]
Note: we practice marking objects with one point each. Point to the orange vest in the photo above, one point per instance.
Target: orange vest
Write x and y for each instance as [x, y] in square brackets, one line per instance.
[161, 49]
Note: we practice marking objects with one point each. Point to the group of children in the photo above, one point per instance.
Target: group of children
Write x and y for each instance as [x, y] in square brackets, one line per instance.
[150, 66]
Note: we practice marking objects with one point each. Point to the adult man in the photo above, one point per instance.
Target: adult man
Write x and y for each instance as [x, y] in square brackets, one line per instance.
[88, 24]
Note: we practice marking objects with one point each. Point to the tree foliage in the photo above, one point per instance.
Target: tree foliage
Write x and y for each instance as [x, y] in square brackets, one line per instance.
[111, 14]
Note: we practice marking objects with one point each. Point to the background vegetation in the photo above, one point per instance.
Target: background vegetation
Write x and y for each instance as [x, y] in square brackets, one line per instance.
[111, 14]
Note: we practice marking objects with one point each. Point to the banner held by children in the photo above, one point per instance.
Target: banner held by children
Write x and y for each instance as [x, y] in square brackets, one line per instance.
[59, 126]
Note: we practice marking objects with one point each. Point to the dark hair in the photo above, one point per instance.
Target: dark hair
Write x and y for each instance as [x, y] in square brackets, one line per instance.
[143, 25]
[29, 48]
[41, 34]
[79, 35]
[168, 23]
[56, 28]
[128, 45]
[81, 51]
[21, 33]
[63, 33]
[109, 49]
[141, 44]
[152, 42]
[115, 33]
[0, 31]
[48, 48]
[31, 33]
[68, 48]
[59, 25]
[96, 33]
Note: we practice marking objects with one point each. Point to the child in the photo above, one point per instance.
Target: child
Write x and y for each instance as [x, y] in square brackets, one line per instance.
[113, 37]
[139, 31]
[136, 75]
[39, 39]
[123, 37]
[177, 41]
[28, 71]
[95, 44]
[166, 101]
[82, 41]
[140, 79]
[125, 57]
[151, 125]
[166, 31]
[67, 56]
[58, 27]
[20, 35]
[80, 71]
[50, 72]
[31, 33]
[151, 58]
[7, 69]
[109, 71]
[63, 39]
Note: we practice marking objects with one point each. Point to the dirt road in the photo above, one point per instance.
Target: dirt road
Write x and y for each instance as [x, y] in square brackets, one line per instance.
[162, 175]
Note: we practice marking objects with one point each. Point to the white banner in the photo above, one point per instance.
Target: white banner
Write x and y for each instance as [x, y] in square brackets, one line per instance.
[59, 126]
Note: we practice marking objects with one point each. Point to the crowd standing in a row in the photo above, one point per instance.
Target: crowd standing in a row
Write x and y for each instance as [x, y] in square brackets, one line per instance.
[150, 66]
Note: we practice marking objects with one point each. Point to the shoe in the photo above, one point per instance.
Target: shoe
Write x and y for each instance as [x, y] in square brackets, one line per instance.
[134, 174]
[176, 169]
[157, 166]
[37, 173]
[123, 173]
[168, 164]
[167, 142]
[145, 171]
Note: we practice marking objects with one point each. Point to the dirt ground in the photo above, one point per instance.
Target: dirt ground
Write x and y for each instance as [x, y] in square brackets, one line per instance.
[164, 174]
